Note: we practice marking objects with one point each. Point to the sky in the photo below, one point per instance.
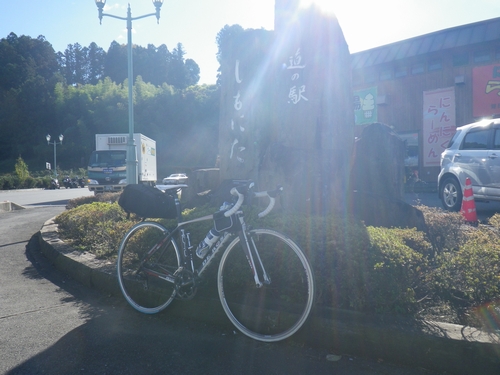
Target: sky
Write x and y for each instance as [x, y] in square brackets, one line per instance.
[195, 23]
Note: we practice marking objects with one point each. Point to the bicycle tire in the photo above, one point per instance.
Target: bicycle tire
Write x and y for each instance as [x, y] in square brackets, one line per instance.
[274, 311]
[145, 293]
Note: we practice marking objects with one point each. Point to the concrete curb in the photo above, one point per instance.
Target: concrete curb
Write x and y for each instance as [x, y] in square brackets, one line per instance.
[442, 347]
[10, 206]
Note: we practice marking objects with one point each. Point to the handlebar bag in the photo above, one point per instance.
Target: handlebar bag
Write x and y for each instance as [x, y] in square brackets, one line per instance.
[147, 202]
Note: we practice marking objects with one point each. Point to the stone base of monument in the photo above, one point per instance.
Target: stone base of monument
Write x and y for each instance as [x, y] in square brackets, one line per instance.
[380, 211]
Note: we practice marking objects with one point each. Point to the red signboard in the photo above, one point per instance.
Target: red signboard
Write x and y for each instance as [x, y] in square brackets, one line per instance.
[486, 90]
[439, 123]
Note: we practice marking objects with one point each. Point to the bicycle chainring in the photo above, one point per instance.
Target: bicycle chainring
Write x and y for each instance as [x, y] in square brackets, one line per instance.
[185, 284]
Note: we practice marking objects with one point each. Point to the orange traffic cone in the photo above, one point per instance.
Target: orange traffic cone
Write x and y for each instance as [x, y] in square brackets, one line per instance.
[468, 205]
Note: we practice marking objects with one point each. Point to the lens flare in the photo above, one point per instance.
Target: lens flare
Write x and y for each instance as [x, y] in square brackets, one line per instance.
[326, 6]
[489, 315]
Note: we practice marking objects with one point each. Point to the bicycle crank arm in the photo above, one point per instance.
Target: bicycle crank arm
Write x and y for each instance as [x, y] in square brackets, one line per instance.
[168, 278]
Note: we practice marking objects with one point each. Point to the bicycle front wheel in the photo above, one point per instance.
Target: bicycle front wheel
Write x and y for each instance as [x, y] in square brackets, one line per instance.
[280, 307]
[145, 261]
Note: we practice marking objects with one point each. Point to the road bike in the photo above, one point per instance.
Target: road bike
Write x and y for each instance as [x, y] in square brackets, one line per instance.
[264, 280]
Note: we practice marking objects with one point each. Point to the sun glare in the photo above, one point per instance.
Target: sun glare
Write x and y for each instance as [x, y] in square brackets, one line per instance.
[327, 6]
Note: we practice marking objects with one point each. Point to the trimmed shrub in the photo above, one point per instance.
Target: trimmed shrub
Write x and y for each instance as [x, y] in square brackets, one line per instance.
[471, 275]
[104, 197]
[96, 227]
[445, 229]
[399, 268]
[7, 182]
[29, 183]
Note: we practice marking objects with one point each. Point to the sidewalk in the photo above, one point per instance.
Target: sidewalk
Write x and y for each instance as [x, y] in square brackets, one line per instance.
[442, 347]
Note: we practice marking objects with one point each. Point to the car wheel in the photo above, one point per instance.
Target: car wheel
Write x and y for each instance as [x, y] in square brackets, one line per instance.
[451, 194]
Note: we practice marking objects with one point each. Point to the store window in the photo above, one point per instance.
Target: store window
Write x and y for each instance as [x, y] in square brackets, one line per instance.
[412, 149]
[385, 74]
[434, 65]
[482, 56]
[461, 59]
[357, 77]
[417, 68]
[411, 157]
[370, 76]
[400, 71]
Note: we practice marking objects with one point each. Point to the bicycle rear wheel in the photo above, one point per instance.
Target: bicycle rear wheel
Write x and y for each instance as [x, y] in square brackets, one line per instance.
[280, 307]
[141, 274]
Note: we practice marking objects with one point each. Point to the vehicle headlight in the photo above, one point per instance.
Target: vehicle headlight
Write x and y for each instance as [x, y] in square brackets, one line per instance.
[92, 182]
[123, 182]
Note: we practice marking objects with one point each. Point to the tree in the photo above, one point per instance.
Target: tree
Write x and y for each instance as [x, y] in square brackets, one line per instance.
[82, 65]
[21, 169]
[73, 64]
[182, 74]
[95, 67]
[24, 57]
[83, 91]
[28, 74]
[192, 72]
[115, 66]
[224, 37]
[223, 40]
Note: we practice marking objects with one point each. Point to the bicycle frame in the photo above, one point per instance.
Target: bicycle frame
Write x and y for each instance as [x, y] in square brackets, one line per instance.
[186, 251]
[187, 255]
[185, 241]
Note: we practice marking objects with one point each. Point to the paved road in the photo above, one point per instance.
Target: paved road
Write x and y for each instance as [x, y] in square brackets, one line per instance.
[50, 324]
[41, 197]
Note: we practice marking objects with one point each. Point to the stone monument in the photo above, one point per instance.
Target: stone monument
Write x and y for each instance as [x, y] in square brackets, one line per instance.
[286, 109]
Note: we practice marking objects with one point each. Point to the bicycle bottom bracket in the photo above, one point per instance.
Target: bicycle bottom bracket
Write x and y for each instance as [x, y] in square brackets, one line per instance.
[185, 284]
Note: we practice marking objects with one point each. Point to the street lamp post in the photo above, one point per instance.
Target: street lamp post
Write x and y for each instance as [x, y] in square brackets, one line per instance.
[131, 154]
[55, 143]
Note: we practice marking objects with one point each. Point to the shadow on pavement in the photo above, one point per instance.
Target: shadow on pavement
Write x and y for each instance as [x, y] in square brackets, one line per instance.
[62, 202]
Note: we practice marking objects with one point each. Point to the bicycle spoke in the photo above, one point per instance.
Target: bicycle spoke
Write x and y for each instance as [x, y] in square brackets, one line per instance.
[277, 309]
[146, 265]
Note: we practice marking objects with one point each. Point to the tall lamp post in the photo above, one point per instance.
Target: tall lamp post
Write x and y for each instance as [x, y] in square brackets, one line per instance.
[131, 155]
[55, 143]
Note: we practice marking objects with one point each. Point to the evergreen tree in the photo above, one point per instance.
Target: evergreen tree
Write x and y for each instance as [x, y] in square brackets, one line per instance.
[83, 91]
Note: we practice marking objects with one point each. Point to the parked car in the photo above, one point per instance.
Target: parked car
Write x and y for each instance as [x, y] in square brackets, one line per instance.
[474, 152]
[174, 179]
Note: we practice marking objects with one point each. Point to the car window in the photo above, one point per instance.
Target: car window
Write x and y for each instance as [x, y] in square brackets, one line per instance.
[496, 140]
[452, 140]
[476, 140]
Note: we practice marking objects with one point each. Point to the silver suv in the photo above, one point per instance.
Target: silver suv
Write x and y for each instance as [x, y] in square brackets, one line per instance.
[474, 152]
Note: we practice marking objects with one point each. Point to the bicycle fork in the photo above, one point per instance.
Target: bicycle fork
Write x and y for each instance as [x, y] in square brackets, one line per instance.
[250, 249]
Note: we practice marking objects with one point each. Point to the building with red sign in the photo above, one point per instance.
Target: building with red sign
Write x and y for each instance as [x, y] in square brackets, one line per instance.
[426, 86]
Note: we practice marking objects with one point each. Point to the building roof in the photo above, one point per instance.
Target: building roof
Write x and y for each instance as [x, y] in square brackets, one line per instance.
[459, 36]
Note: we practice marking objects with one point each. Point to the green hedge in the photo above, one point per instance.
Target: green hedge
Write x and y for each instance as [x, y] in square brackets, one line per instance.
[37, 180]
[97, 227]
